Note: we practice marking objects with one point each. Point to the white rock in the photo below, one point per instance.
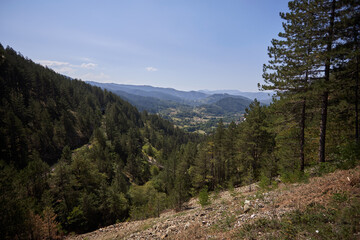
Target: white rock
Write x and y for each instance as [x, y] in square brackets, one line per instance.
[246, 206]
[187, 225]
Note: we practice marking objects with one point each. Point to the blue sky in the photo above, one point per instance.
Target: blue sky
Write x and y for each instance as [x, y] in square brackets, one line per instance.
[183, 44]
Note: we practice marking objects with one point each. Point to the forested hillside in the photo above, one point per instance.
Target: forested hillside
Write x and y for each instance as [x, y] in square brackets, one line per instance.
[75, 158]
[71, 151]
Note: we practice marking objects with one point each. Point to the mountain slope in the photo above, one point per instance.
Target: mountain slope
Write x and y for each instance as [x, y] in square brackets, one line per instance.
[150, 104]
[70, 152]
[217, 97]
[193, 98]
[227, 105]
[260, 96]
[149, 91]
[247, 213]
[51, 111]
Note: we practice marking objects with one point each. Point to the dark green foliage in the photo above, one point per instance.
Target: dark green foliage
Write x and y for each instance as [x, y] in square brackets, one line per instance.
[309, 68]
[146, 201]
[348, 155]
[44, 116]
[13, 210]
[256, 144]
[42, 110]
[204, 197]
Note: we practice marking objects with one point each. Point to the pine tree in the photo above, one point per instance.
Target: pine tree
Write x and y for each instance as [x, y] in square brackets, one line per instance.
[328, 17]
[199, 172]
[349, 51]
[304, 62]
[255, 142]
[292, 65]
[219, 154]
[230, 151]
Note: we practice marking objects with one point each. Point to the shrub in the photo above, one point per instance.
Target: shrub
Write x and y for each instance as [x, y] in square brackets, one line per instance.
[348, 155]
[204, 197]
[294, 176]
[264, 182]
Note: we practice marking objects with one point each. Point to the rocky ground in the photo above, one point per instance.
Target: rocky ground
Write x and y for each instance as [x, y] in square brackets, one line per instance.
[231, 209]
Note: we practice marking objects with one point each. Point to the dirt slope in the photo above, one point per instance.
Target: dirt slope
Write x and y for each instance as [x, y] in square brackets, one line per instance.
[229, 210]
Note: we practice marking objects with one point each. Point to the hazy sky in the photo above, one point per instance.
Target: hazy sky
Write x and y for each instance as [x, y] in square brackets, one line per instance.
[183, 44]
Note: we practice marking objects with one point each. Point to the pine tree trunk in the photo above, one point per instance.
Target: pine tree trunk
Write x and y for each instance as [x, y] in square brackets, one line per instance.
[302, 123]
[302, 135]
[325, 95]
[323, 126]
[212, 170]
[356, 88]
[357, 107]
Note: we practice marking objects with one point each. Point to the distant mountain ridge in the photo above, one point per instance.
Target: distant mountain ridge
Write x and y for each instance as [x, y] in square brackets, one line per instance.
[193, 98]
[148, 103]
[150, 91]
[263, 97]
[191, 110]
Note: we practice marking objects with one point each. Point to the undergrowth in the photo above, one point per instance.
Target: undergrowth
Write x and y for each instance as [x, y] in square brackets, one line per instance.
[226, 222]
[338, 220]
[345, 157]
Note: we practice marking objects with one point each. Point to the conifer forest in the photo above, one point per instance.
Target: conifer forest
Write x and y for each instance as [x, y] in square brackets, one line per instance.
[75, 157]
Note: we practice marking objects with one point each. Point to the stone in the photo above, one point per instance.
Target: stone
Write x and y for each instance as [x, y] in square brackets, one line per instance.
[247, 206]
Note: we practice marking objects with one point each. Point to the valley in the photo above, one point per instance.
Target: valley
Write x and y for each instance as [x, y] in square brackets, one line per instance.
[192, 111]
[84, 159]
[198, 119]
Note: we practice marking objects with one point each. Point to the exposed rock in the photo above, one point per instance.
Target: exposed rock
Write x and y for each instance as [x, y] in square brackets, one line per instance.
[247, 206]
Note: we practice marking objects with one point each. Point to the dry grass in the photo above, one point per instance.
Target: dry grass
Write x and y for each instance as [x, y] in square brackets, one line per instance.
[320, 189]
[195, 231]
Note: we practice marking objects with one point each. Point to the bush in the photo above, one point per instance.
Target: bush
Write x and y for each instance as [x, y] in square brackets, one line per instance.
[204, 197]
[264, 182]
[294, 176]
[348, 155]
[230, 185]
[154, 170]
[326, 167]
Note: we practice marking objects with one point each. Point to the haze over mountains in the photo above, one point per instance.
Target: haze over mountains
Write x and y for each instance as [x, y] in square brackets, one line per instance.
[154, 99]
[264, 97]
[193, 111]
